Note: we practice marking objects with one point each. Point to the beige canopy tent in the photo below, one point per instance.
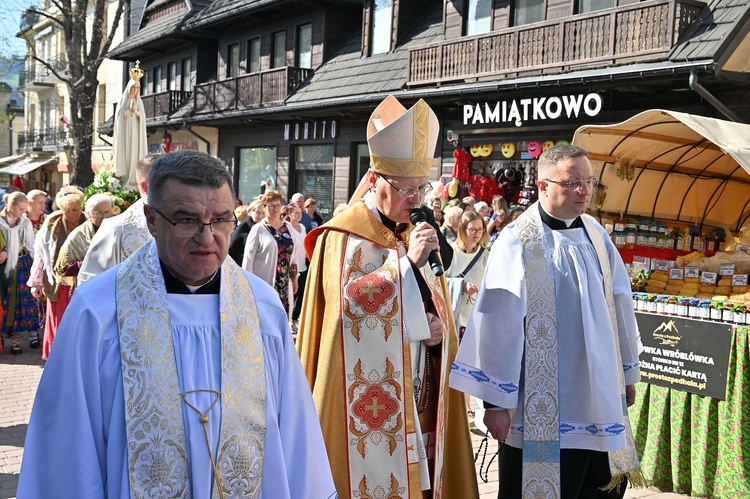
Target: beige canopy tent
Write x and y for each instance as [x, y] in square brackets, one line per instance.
[675, 167]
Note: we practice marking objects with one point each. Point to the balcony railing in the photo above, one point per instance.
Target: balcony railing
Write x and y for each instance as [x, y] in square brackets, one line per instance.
[39, 73]
[45, 139]
[644, 31]
[248, 91]
[163, 104]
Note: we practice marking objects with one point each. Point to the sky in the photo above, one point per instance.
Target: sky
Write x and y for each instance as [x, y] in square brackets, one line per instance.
[10, 20]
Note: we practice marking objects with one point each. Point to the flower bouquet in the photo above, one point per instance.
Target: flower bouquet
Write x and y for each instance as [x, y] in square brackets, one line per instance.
[106, 182]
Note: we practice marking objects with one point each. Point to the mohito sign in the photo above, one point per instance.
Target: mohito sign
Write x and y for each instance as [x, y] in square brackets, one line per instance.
[518, 111]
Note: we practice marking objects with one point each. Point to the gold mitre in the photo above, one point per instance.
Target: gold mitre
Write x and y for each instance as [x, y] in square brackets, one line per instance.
[402, 142]
[136, 73]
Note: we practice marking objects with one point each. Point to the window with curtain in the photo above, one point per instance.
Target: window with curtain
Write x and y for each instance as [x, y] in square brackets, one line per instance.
[233, 60]
[172, 76]
[253, 55]
[382, 26]
[279, 50]
[478, 17]
[186, 85]
[528, 11]
[592, 5]
[304, 46]
[157, 79]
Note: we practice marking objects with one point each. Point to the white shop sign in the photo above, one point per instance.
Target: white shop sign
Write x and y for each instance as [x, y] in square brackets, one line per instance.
[518, 111]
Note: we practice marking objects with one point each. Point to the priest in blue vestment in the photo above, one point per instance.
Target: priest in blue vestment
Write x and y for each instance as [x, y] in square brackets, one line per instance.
[174, 373]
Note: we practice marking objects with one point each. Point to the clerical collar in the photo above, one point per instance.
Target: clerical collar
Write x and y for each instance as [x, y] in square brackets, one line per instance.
[395, 227]
[555, 223]
[178, 287]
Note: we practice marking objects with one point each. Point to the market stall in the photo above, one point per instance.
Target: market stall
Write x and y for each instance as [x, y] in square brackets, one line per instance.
[687, 180]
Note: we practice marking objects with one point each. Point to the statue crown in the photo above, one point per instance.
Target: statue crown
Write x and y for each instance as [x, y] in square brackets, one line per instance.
[136, 73]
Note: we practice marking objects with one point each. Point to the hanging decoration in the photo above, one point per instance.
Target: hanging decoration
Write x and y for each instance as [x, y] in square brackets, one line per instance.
[453, 188]
[535, 148]
[600, 196]
[508, 149]
[482, 151]
[483, 188]
[548, 144]
[625, 167]
[461, 167]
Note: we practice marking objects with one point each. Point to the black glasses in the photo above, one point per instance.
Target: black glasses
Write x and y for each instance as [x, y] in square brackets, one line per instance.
[408, 192]
[193, 228]
[576, 184]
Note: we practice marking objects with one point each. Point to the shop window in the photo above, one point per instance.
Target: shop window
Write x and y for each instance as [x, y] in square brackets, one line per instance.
[233, 60]
[382, 26]
[528, 11]
[253, 55]
[257, 171]
[304, 46]
[157, 79]
[186, 83]
[592, 5]
[279, 50]
[478, 17]
[172, 76]
[313, 175]
[360, 165]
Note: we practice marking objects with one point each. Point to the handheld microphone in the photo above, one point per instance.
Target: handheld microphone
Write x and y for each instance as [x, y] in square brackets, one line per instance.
[417, 216]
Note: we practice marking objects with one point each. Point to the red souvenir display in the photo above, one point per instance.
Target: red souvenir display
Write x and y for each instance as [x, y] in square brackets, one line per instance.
[461, 168]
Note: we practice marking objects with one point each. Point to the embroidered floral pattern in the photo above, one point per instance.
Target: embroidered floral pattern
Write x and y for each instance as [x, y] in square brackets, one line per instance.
[369, 296]
[375, 402]
[393, 492]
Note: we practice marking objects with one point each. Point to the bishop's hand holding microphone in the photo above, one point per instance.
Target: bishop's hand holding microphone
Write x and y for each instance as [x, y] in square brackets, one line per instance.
[418, 216]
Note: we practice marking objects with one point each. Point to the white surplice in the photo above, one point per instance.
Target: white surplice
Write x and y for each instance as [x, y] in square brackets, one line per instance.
[489, 363]
[76, 444]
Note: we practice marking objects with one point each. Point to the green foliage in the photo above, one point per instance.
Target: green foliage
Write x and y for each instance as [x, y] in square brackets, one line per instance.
[106, 182]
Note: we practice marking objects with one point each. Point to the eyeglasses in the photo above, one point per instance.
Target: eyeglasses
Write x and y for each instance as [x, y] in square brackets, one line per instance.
[408, 192]
[274, 206]
[471, 230]
[193, 228]
[576, 184]
[100, 213]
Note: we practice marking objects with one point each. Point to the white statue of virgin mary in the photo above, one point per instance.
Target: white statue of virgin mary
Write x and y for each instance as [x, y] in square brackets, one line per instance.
[130, 143]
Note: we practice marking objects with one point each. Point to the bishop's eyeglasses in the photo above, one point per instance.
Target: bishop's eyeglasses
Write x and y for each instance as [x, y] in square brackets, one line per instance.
[408, 192]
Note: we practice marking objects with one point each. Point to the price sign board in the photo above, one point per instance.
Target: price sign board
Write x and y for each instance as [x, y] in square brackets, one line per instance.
[685, 354]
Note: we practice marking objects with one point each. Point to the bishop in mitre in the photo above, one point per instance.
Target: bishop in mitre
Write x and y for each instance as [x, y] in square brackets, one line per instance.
[377, 336]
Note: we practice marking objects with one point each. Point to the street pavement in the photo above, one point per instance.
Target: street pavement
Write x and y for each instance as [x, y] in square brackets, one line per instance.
[19, 377]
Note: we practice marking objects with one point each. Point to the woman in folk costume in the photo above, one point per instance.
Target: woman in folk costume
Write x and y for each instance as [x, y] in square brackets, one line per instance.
[377, 335]
[22, 313]
[47, 246]
[270, 252]
[73, 250]
[35, 209]
[130, 143]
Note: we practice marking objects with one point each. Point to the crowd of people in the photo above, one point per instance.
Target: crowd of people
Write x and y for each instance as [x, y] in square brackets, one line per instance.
[188, 381]
[42, 251]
